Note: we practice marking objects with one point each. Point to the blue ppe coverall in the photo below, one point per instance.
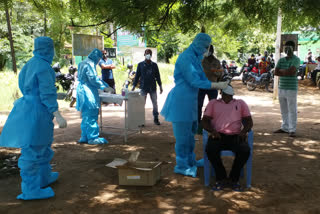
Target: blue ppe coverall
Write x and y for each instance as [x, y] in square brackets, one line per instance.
[88, 101]
[181, 105]
[29, 125]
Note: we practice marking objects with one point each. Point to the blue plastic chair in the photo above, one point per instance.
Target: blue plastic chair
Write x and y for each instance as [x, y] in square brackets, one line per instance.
[209, 170]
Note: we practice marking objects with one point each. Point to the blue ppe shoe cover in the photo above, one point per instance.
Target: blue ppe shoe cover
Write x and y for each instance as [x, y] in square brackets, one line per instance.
[32, 114]
[99, 140]
[53, 177]
[192, 171]
[83, 140]
[200, 163]
[37, 194]
[181, 104]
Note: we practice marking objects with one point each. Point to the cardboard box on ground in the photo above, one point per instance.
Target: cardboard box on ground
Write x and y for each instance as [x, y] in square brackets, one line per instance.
[137, 173]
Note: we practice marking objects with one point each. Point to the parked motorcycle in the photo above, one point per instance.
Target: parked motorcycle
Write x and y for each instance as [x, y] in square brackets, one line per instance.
[264, 80]
[72, 92]
[245, 71]
[131, 75]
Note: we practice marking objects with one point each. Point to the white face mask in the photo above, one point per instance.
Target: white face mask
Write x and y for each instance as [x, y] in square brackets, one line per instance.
[148, 57]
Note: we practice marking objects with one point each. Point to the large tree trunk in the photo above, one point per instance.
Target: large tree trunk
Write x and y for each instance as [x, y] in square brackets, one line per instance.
[277, 54]
[14, 64]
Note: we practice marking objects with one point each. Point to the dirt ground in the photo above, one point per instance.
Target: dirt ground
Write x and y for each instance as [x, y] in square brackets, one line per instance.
[286, 171]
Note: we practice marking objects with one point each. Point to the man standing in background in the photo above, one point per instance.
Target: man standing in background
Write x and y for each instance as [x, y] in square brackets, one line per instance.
[106, 70]
[149, 75]
[287, 68]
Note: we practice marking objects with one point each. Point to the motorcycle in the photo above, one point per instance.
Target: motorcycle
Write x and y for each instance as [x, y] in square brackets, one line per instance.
[264, 80]
[245, 71]
[131, 75]
[65, 80]
[72, 92]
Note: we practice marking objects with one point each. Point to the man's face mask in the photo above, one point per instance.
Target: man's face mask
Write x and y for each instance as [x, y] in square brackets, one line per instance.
[148, 56]
[104, 55]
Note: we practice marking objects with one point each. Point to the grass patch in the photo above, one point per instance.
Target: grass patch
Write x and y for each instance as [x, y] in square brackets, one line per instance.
[9, 90]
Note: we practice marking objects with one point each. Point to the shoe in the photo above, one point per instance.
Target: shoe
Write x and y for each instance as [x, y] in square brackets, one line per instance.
[192, 172]
[235, 186]
[219, 185]
[280, 131]
[292, 134]
[156, 121]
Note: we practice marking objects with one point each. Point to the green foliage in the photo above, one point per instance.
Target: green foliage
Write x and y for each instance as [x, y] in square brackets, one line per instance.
[9, 90]
[173, 59]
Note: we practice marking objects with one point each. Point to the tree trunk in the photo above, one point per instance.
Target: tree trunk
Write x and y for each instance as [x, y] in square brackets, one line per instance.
[277, 54]
[14, 64]
[45, 23]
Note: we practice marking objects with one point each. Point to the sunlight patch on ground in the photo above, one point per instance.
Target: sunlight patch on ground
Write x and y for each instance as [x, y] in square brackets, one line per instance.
[109, 197]
[308, 156]
[164, 203]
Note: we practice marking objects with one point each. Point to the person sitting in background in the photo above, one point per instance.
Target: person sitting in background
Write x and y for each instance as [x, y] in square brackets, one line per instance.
[255, 69]
[228, 121]
[264, 64]
[315, 71]
[251, 61]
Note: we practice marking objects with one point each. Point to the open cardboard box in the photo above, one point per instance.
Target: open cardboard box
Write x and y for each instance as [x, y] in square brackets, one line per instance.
[137, 173]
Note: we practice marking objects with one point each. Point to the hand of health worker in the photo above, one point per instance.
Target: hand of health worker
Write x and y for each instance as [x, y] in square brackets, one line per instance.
[108, 89]
[219, 85]
[60, 120]
[161, 90]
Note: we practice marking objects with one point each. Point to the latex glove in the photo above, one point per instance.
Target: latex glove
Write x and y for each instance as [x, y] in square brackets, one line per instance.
[161, 90]
[60, 120]
[100, 91]
[219, 85]
[108, 89]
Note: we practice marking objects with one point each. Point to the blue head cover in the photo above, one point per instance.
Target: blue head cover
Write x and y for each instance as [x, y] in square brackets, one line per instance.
[201, 43]
[95, 55]
[43, 48]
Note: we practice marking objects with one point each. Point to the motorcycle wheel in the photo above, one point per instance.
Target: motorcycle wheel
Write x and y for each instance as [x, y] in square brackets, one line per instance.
[251, 85]
[269, 86]
[244, 79]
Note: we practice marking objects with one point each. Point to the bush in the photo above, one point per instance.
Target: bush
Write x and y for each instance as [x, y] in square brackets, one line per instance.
[9, 90]
[173, 59]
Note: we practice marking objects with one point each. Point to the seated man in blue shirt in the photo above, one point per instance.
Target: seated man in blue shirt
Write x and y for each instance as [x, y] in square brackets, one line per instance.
[148, 74]
[106, 70]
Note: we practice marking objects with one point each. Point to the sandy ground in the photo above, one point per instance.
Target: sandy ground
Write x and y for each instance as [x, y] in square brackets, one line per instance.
[286, 171]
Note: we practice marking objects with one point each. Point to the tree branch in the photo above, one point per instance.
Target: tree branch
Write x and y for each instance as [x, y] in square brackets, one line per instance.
[92, 25]
[109, 34]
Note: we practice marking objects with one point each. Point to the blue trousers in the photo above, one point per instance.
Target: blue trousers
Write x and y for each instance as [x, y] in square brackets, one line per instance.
[185, 157]
[89, 124]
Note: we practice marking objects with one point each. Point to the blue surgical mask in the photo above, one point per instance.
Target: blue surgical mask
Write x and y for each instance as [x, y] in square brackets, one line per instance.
[148, 57]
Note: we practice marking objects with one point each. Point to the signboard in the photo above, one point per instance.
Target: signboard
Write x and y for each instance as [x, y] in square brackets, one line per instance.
[83, 44]
[111, 52]
[127, 39]
[289, 37]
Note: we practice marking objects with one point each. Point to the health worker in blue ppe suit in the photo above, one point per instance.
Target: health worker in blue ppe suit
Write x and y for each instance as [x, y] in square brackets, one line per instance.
[181, 105]
[29, 125]
[88, 101]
